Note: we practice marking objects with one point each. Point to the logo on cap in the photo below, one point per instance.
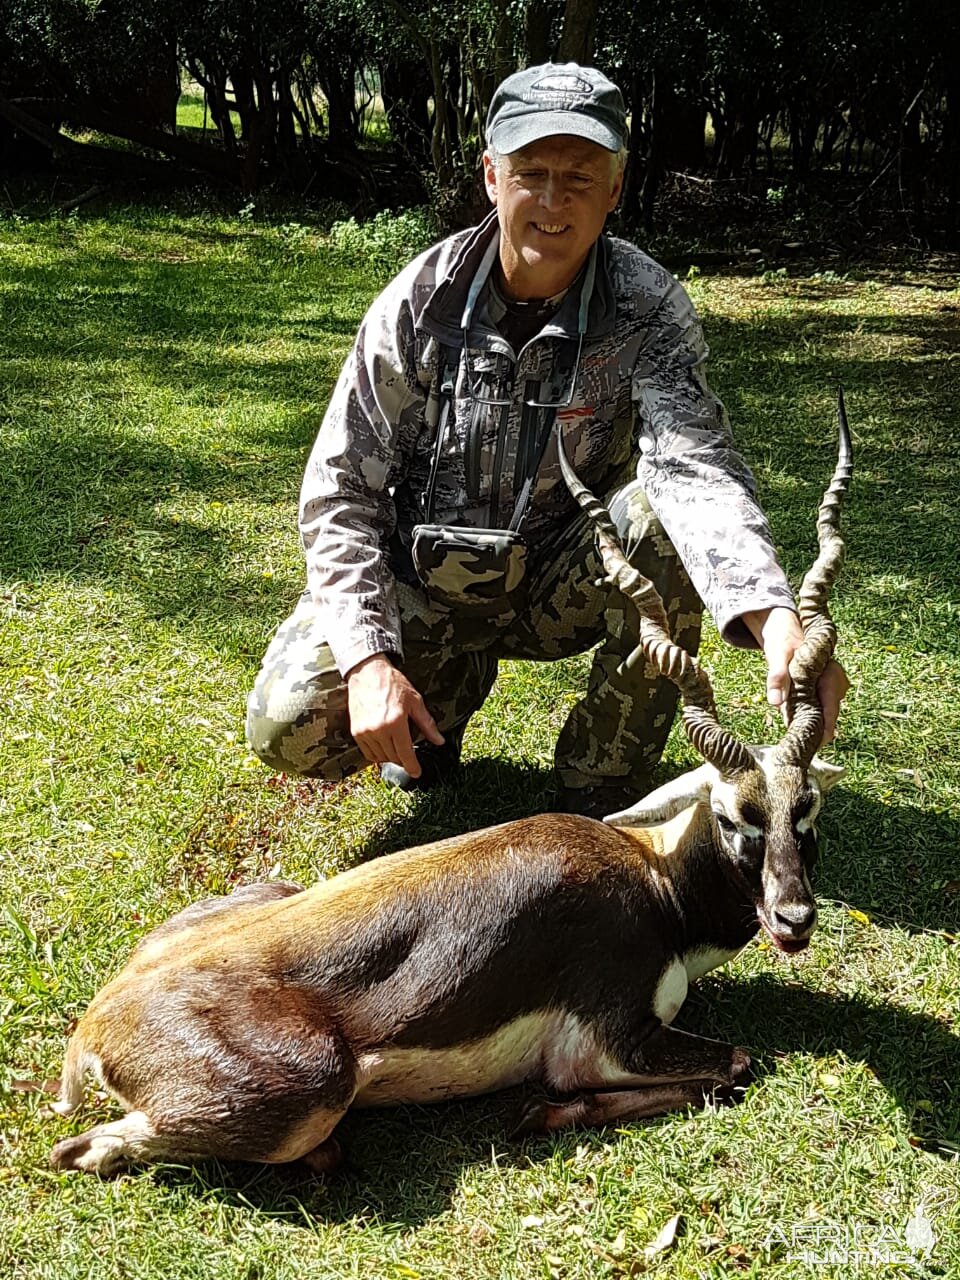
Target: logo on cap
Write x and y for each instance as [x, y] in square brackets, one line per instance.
[563, 84]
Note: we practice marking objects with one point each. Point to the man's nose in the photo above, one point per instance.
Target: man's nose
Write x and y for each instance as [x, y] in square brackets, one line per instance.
[552, 193]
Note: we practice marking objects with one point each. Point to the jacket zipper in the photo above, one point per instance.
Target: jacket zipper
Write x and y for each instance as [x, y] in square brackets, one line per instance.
[498, 466]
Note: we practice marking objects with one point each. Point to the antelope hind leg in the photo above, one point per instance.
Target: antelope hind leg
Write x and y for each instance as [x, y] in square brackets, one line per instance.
[107, 1148]
[262, 1076]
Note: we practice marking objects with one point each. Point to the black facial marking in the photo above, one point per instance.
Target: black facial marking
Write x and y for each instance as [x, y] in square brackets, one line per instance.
[752, 816]
[802, 808]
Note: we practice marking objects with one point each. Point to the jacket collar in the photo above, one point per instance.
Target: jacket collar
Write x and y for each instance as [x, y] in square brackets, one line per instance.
[456, 292]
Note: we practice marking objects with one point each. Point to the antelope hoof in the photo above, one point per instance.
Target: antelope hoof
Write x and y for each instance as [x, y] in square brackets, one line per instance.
[742, 1076]
[323, 1158]
[741, 1067]
[101, 1154]
[534, 1117]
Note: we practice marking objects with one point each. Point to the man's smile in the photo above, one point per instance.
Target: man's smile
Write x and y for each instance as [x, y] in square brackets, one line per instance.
[551, 228]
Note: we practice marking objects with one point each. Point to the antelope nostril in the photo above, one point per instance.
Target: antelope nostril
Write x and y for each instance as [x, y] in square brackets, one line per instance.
[796, 916]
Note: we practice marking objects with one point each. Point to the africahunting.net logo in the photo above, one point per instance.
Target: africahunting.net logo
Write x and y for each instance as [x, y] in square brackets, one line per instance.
[856, 1244]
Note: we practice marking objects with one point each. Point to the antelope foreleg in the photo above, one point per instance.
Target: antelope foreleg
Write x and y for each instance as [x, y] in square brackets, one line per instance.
[669, 1070]
[593, 1110]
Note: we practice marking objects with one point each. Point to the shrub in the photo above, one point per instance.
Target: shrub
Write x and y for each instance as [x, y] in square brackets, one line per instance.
[387, 241]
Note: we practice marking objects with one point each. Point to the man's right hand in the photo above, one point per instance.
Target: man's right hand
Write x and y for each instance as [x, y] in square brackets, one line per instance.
[382, 703]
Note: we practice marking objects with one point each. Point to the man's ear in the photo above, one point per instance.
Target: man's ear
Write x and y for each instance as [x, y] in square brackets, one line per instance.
[616, 191]
[489, 177]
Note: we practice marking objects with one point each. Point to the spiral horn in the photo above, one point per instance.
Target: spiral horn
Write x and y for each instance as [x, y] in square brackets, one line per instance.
[805, 731]
[715, 743]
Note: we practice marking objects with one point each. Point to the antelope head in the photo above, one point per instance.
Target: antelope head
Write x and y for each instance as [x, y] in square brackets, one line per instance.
[762, 802]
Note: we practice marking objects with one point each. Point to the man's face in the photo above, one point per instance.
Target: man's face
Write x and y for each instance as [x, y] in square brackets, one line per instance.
[552, 200]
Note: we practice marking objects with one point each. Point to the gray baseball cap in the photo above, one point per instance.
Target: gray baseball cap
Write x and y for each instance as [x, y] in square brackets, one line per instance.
[556, 98]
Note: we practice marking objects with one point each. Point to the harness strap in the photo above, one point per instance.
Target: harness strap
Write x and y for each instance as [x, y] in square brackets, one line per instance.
[449, 359]
[543, 435]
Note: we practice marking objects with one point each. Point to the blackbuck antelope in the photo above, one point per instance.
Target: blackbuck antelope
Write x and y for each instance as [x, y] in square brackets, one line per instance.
[554, 949]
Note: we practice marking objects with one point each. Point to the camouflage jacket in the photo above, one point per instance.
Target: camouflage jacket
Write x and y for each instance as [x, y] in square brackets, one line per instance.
[623, 356]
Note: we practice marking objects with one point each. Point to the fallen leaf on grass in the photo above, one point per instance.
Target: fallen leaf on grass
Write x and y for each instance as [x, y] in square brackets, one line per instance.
[618, 1245]
[861, 917]
[741, 1258]
[664, 1239]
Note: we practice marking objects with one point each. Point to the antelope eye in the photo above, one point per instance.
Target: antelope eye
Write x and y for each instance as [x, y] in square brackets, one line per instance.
[804, 810]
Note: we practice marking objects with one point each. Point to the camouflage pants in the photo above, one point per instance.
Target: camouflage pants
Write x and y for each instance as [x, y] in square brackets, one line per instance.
[297, 717]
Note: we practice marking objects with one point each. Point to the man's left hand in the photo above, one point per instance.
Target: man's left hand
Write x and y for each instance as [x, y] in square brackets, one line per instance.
[779, 634]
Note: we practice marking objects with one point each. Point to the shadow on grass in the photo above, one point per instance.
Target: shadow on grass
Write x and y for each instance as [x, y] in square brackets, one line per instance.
[914, 1056]
[404, 1164]
[897, 862]
[485, 792]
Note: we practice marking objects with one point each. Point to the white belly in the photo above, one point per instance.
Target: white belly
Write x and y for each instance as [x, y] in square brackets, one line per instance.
[550, 1046]
[555, 1048]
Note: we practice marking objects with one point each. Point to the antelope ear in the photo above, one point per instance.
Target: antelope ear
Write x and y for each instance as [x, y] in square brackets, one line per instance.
[667, 801]
[827, 775]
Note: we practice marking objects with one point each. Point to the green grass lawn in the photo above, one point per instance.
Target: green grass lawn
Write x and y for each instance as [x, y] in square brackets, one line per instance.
[194, 113]
[162, 380]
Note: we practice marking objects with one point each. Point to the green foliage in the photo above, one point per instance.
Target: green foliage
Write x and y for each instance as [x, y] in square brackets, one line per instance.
[385, 242]
[89, 43]
[867, 91]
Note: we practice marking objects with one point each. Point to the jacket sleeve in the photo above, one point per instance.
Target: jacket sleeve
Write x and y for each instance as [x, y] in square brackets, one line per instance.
[702, 491]
[347, 513]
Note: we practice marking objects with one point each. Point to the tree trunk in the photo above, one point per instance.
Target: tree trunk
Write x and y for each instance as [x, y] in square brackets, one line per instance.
[337, 83]
[123, 164]
[213, 78]
[45, 114]
[405, 88]
[910, 164]
[631, 200]
[536, 32]
[579, 31]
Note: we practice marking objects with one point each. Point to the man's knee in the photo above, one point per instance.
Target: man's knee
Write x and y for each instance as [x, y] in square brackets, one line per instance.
[297, 715]
[303, 736]
[649, 550]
